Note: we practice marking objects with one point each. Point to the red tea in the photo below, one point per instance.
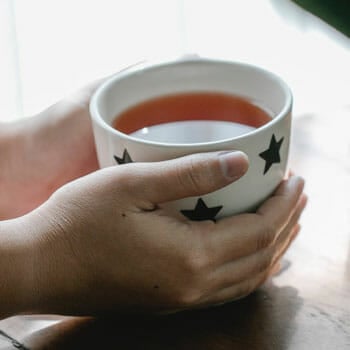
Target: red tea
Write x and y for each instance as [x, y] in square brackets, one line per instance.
[191, 106]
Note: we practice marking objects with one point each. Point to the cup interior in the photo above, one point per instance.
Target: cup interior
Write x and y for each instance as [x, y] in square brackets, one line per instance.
[144, 82]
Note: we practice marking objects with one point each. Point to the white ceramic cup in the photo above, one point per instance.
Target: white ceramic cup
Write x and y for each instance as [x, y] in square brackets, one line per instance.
[266, 147]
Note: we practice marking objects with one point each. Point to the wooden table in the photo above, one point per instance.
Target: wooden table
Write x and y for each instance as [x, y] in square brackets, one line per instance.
[307, 306]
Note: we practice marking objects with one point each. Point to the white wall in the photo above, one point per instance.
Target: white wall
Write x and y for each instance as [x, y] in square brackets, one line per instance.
[48, 48]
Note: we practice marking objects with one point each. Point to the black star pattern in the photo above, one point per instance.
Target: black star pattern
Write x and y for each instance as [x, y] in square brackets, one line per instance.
[201, 212]
[272, 154]
[126, 158]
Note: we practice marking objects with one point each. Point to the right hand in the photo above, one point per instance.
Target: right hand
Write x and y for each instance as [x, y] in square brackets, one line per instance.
[103, 243]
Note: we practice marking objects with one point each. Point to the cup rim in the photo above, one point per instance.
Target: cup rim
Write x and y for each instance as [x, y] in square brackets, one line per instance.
[96, 116]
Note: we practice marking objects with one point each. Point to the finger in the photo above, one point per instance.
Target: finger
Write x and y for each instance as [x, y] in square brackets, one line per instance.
[84, 94]
[245, 234]
[291, 230]
[81, 98]
[280, 265]
[187, 176]
[275, 269]
[293, 234]
[237, 291]
[246, 285]
[241, 277]
[294, 185]
[294, 220]
[237, 271]
[291, 173]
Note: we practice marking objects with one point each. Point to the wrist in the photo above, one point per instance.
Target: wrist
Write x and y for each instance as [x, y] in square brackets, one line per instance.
[29, 264]
[51, 280]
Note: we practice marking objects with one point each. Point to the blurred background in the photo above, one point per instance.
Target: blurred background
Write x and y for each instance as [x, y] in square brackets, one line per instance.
[49, 48]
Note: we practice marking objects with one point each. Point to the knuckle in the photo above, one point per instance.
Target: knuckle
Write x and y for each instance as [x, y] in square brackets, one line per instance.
[195, 264]
[197, 259]
[243, 291]
[62, 193]
[251, 288]
[266, 236]
[195, 269]
[188, 297]
[252, 285]
[264, 261]
[261, 279]
[190, 177]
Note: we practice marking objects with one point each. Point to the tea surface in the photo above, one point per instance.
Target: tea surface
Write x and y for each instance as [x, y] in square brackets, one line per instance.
[191, 106]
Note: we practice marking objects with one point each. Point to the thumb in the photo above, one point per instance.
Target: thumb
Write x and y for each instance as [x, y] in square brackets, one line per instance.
[187, 176]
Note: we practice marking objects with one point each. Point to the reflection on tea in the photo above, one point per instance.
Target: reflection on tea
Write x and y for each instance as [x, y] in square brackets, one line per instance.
[192, 131]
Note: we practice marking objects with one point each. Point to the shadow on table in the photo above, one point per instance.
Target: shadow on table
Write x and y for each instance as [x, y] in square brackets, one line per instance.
[263, 320]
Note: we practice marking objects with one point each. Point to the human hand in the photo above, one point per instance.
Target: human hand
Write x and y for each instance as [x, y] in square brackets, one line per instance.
[42, 153]
[104, 243]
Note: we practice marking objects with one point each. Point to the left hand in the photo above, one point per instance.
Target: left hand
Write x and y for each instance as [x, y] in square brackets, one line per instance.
[42, 153]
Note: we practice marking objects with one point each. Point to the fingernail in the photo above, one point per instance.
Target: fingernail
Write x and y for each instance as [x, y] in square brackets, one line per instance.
[233, 164]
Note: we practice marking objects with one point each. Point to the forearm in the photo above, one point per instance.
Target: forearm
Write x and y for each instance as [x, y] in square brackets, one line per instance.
[6, 136]
[10, 172]
[6, 205]
[16, 269]
[30, 166]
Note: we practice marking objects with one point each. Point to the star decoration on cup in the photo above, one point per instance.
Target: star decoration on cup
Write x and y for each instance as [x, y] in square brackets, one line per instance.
[201, 211]
[125, 159]
[272, 154]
